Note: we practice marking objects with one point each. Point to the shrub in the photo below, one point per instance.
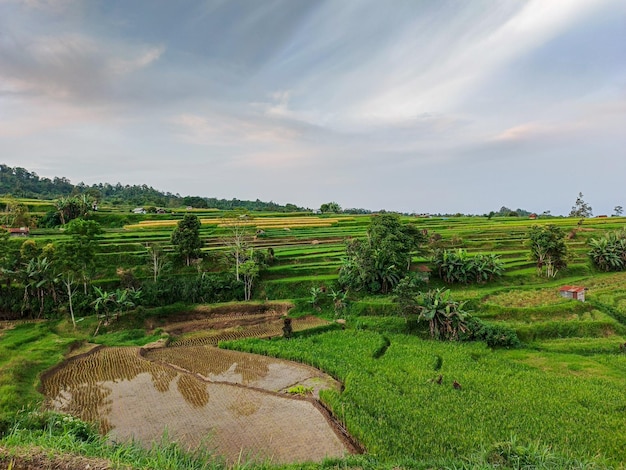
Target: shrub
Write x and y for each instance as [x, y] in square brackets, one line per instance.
[496, 336]
[608, 253]
[457, 266]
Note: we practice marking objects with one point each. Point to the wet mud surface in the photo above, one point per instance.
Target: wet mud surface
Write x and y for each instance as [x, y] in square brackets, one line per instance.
[233, 403]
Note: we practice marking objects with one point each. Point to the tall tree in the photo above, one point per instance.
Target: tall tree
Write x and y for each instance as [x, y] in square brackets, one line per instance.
[548, 249]
[72, 207]
[186, 238]
[581, 208]
[619, 210]
[16, 214]
[249, 271]
[238, 224]
[378, 262]
[330, 208]
[82, 247]
[156, 259]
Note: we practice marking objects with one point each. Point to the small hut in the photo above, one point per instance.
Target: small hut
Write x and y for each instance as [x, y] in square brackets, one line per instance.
[573, 292]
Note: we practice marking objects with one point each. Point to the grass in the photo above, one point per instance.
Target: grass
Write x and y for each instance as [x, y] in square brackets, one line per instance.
[387, 399]
[570, 369]
[25, 352]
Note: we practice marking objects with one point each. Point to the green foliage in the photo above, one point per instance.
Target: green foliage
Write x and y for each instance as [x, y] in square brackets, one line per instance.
[203, 288]
[548, 249]
[494, 334]
[16, 214]
[73, 207]
[393, 406]
[406, 294]
[300, 390]
[456, 266]
[53, 431]
[186, 238]
[446, 317]
[330, 208]
[581, 208]
[116, 302]
[608, 252]
[377, 263]
[316, 297]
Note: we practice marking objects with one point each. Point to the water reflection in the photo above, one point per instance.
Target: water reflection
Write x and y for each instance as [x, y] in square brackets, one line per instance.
[131, 396]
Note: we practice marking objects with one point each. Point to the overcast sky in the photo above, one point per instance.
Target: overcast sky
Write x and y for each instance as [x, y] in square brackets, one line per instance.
[414, 106]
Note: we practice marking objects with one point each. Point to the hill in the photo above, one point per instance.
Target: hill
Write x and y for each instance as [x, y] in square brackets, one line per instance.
[21, 183]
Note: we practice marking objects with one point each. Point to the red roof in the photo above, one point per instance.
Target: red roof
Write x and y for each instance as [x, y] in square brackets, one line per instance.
[17, 230]
[571, 289]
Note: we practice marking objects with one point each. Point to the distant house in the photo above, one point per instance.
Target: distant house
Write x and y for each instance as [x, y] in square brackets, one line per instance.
[573, 292]
[17, 232]
[532, 216]
[139, 210]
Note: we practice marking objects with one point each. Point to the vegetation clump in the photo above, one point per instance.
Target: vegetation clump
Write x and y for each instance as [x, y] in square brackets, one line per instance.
[548, 249]
[376, 263]
[457, 266]
[608, 252]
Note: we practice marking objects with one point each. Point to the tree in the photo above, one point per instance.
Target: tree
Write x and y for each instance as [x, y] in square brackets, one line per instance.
[548, 249]
[116, 302]
[378, 262]
[9, 258]
[156, 259]
[330, 208]
[581, 208]
[16, 214]
[73, 207]
[38, 278]
[238, 224]
[618, 210]
[406, 295]
[80, 250]
[249, 270]
[186, 238]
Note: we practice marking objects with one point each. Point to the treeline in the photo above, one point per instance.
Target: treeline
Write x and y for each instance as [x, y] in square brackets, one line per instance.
[21, 183]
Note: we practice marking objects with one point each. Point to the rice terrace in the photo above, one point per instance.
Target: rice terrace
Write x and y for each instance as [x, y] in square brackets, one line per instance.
[197, 337]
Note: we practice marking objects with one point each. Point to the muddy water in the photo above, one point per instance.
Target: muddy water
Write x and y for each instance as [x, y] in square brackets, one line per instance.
[199, 396]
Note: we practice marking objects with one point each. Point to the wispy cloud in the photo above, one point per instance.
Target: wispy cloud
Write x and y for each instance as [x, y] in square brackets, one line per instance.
[368, 103]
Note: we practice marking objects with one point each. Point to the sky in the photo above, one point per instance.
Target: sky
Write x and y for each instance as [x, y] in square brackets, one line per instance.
[426, 106]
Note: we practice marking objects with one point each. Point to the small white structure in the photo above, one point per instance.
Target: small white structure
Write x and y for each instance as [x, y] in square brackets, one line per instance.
[573, 292]
[139, 210]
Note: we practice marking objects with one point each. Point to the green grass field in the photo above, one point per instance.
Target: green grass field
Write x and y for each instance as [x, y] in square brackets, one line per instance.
[560, 399]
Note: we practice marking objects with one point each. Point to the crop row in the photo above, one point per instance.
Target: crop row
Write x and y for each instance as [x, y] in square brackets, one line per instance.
[387, 399]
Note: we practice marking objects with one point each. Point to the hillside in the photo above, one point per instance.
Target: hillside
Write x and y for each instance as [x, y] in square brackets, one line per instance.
[21, 183]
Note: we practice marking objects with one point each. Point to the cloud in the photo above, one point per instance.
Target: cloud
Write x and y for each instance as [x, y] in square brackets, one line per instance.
[370, 105]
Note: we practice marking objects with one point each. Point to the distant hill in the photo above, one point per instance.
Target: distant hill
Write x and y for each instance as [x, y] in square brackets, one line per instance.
[19, 182]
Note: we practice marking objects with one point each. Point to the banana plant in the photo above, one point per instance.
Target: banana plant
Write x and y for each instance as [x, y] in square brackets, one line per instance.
[445, 317]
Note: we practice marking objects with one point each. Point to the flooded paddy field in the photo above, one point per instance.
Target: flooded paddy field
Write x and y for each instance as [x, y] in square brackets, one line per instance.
[233, 403]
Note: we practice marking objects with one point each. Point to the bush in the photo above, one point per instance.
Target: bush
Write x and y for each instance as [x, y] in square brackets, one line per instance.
[608, 253]
[496, 336]
[457, 266]
[205, 288]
